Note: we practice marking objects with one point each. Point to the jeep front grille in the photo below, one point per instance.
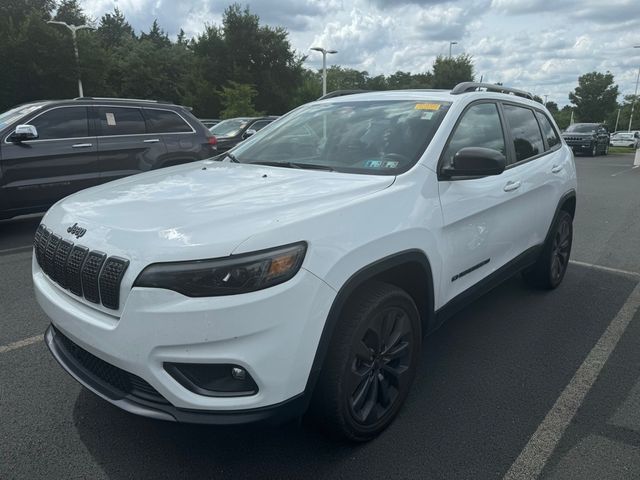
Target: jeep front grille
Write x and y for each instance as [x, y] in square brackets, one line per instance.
[88, 274]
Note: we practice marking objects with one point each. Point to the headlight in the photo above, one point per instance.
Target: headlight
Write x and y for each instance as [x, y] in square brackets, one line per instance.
[226, 276]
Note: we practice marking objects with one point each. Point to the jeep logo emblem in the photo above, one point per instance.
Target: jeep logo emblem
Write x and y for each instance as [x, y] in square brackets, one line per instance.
[76, 230]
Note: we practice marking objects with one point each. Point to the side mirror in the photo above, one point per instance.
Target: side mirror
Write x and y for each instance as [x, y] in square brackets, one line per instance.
[249, 133]
[24, 132]
[476, 162]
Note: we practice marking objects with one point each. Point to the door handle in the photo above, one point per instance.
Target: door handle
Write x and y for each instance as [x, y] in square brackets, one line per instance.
[82, 145]
[556, 168]
[152, 140]
[511, 186]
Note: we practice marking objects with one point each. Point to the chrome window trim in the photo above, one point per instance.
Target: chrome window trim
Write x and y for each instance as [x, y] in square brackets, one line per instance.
[192, 132]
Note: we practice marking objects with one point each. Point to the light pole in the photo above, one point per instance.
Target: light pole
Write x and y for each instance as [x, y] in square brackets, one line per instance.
[324, 66]
[74, 29]
[633, 102]
[451, 44]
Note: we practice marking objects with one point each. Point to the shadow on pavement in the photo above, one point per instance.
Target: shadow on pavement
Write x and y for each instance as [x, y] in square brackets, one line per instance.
[487, 379]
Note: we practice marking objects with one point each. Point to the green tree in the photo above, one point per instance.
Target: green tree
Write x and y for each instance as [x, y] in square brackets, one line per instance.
[595, 97]
[563, 117]
[449, 71]
[552, 107]
[114, 30]
[69, 11]
[237, 100]
[342, 78]
[625, 114]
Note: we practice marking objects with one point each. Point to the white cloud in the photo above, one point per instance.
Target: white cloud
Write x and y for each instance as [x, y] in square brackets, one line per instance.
[534, 44]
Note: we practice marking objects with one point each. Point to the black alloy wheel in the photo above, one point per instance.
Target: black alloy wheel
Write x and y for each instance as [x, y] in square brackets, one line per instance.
[370, 364]
[561, 248]
[551, 266]
[380, 362]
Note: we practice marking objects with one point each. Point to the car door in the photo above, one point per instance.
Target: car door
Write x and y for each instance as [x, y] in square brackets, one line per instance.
[179, 137]
[63, 160]
[124, 147]
[551, 172]
[486, 220]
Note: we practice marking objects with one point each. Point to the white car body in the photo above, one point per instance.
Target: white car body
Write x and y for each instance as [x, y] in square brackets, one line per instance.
[350, 222]
[624, 139]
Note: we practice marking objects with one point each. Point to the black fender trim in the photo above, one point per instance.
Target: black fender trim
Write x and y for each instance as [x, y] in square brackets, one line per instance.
[355, 281]
[566, 196]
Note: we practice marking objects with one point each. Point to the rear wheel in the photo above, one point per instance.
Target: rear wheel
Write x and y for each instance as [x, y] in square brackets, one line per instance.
[370, 364]
[551, 266]
[606, 149]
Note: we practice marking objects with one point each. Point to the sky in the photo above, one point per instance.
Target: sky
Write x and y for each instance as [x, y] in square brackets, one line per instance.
[538, 45]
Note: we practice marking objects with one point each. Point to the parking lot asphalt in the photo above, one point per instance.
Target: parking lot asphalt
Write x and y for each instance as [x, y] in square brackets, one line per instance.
[490, 379]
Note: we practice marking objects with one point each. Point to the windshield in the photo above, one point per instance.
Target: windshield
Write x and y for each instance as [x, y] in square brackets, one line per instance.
[229, 128]
[581, 128]
[372, 137]
[624, 135]
[10, 116]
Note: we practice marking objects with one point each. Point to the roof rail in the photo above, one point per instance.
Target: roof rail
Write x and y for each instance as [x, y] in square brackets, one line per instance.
[340, 93]
[465, 87]
[115, 99]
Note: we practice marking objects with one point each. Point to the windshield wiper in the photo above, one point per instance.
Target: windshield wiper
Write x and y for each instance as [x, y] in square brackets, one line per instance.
[301, 165]
[231, 157]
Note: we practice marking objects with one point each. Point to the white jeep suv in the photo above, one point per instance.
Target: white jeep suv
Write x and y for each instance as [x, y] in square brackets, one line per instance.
[301, 270]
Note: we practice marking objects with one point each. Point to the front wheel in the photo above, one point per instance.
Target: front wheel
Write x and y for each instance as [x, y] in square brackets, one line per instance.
[551, 266]
[371, 363]
[594, 150]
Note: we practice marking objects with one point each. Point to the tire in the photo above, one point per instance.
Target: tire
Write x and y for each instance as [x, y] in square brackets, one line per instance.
[549, 270]
[594, 150]
[361, 388]
[606, 149]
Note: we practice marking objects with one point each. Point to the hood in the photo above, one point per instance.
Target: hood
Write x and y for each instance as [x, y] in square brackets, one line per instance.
[200, 210]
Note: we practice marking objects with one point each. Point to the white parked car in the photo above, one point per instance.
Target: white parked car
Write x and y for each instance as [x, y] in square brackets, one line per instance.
[625, 139]
[302, 269]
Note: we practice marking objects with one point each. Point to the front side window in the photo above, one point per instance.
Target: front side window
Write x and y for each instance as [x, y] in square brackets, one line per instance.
[369, 137]
[121, 121]
[479, 126]
[527, 139]
[165, 121]
[59, 123]
[547, 130]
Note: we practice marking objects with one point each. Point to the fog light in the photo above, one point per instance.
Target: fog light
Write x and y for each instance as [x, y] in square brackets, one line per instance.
[213, 379]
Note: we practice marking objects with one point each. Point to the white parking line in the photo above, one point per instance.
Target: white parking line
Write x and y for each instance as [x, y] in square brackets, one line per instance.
[21, 343]
[542, 444]
[606, 269]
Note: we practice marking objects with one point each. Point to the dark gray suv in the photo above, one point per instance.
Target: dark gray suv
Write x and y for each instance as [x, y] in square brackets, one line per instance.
[50, 149]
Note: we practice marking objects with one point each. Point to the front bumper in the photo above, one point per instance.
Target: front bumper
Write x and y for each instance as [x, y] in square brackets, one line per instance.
[272, 333]
[157, 409]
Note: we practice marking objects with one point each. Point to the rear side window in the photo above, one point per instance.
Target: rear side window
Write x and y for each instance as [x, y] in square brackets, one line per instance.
[59, 123]
[165, 121]
[479, 127]
[121, 121]
[525, 132]
[547, 130]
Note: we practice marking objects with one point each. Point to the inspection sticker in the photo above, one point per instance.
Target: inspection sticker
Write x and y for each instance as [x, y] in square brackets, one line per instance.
[427, 106]
[111, 119]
